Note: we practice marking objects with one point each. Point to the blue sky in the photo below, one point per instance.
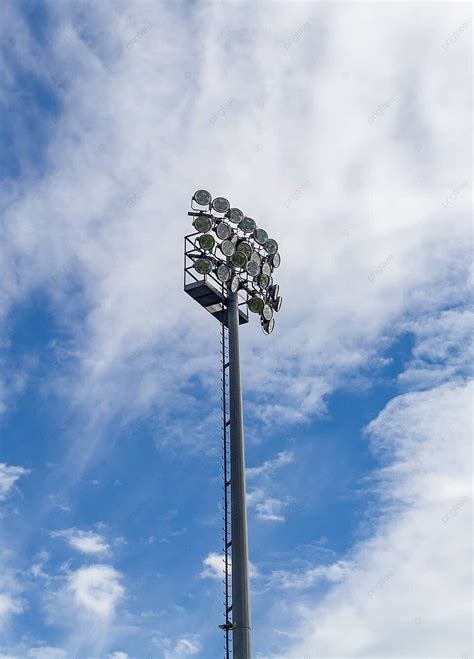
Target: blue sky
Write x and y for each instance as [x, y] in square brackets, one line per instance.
[340, 128]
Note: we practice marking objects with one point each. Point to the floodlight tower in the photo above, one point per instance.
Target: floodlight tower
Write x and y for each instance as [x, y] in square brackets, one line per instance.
[228, 268]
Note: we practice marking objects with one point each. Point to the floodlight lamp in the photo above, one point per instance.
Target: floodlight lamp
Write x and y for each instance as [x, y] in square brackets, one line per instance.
[253, 268]
[261, 236]
[274, 291]
[263, 281]
[271, 246]
[235, 215]
[247, 225]
[227, 247]
[267, 312]
[266, 269]
[276, 303]
[256, 304]
[202, 197]
[207, 242]
[223, 231]
[246, 248]
[220, 205]
[276, 260]
[203, 223]
[239, 259]
[203, 265]
[224, 273]
[235, 283]
[268, 327]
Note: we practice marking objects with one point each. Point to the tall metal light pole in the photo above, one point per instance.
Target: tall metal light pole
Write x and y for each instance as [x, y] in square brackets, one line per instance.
[228, 267]
[240, 573]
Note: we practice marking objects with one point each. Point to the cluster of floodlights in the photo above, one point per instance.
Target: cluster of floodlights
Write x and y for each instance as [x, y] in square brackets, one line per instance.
[238, 253]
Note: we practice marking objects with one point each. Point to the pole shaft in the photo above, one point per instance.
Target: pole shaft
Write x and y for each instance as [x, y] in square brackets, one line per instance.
[240, 577]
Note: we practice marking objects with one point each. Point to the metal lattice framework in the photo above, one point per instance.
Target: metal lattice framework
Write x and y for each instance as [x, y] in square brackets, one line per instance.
[230, 248]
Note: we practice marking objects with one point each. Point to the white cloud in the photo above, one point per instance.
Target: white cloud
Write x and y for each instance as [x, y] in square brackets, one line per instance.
[118, 655]
[47, 652]
[303, 579]
[309, 152]
[11, 588]
[86, 542]
[96, 590]
[269, 466]
[213, 567]
[40, 561]
[444, 349]
[12, 380]
[185, 647]
[177, 648]
[8, 477]
[8, 605]
[373, 232]
[83, 607]
[407, 587]
[267, 508]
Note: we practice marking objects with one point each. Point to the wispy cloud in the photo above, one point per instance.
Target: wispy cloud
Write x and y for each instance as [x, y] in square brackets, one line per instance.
[213, 567]
[180, 648]
[268, 508]
[8, 605]
[269, 466]
[8, 477]
[86, 542]
[424, 440]
[96, 589]
[303, 579]
[47, 652]
[92, 218]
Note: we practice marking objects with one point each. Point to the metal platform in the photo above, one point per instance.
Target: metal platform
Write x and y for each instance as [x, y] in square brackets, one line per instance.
[208, 290]
[212, 299]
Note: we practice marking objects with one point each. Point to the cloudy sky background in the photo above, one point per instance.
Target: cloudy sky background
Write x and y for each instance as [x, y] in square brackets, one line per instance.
[344, 130]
